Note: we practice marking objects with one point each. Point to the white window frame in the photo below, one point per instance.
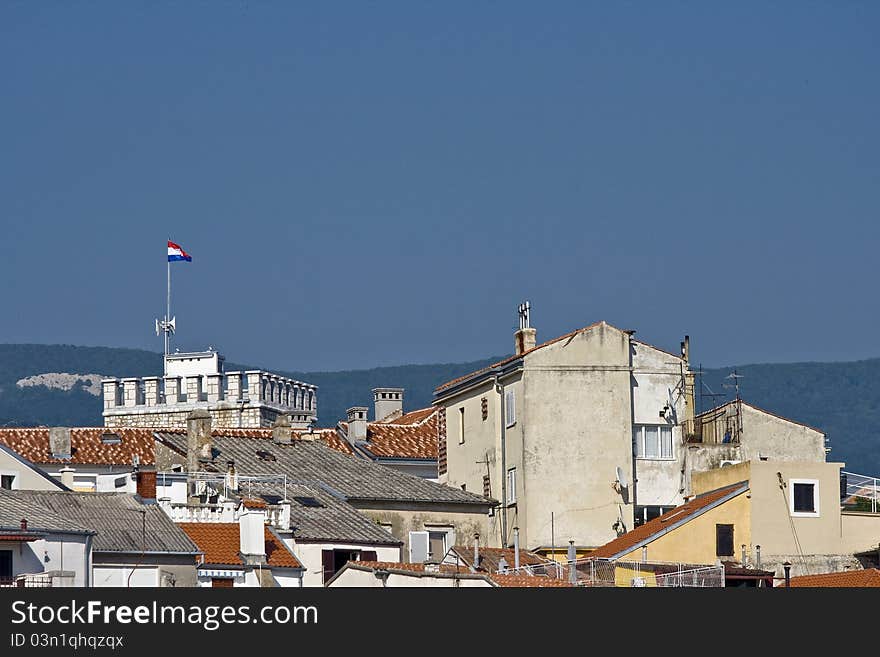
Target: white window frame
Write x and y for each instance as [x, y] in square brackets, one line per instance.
[803, 514]
[510, 407]
[461, 425]
[511, 486]
[639, 442]
[448, 532]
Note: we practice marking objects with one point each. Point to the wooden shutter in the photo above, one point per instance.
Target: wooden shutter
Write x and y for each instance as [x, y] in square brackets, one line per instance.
[418, 547]
[724, 540]
[369, 555]
[441, 438]
[328, 563]
[221, 583]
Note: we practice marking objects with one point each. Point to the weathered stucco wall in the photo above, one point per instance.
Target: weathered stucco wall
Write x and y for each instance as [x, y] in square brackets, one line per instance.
[578, 423]
[25, 477]
[401, 521]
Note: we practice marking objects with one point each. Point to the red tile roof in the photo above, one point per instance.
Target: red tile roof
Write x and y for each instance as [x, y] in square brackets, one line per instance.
[869, 578]
[254, 503]
[528, 581]
[489, 557]
[413, 439]
[220, 541]
[329, 436]
[413, 417]
[658, 526]
[86, 446]
[447, 569]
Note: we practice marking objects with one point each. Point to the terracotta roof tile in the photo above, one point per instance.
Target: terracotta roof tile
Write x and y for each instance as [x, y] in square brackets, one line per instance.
[410, 567]
[528, 581]
[220, 541]
[329, 436]
[413, 417]
[489, 557]
[413, 440]
[86, 446]
[868, 578]
[254, 503]
[657, 526]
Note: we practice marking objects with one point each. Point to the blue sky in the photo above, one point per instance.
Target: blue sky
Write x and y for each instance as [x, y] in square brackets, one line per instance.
[365, 184]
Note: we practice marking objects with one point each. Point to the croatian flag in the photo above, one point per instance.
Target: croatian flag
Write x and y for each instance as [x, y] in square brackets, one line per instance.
[175, 252]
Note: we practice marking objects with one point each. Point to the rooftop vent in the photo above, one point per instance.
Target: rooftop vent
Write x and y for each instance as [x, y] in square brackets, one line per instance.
[263, 455]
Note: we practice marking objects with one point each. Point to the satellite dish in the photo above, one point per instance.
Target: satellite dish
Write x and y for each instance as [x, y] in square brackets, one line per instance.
[619, 474]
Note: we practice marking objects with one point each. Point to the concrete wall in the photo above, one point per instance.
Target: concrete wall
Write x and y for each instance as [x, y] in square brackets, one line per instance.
[354, 578]
[25, 477]
[656, 379]
[578, 424]
[55, 552]
[167, 570]
[779, 439]
[309, 555]
[401, 521]
[860, 531]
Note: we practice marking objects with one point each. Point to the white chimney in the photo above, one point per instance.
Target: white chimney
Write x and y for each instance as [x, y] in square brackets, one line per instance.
[59, 442]
[252, 535]
[357, 423]
[388, 403]
[67, 476]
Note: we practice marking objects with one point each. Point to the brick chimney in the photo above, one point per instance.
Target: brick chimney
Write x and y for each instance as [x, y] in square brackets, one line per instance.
[282, 434]
[388, 403]
[357, 423]
[145, 479]
[24, 524]
[525, 338]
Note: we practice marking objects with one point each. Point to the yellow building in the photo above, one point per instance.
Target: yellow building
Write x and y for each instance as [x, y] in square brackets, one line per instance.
[772, 511]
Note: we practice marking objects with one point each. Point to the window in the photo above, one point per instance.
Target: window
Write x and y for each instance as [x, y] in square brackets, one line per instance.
[332, 561]
[5, 564]
[487, 487]
[511, 486]
[6, 481]
[430, 545]
[645, 514]
[461, 426]
[436, 546]
[724, 540]
[804, 497]
[510, 407]
[653, 441]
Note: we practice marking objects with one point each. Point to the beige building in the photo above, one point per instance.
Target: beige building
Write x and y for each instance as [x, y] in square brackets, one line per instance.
[576, 436]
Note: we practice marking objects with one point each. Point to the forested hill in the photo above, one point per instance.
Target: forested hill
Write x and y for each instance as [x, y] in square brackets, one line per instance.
[841, 399]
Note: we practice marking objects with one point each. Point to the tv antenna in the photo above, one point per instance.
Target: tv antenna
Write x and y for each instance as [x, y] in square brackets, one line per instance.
[736, 377]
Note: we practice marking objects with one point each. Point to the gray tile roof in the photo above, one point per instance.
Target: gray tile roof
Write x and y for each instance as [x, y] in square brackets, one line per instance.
[118, 520]
[313, 461]
[333, 521]
[16, 505]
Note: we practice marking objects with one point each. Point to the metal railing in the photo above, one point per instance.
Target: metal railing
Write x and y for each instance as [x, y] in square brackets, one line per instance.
[614, 573]
[27, 582]
[859, 492]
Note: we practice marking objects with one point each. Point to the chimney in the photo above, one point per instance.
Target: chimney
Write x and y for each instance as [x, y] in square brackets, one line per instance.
[59, 442]
[524, 339]
[690, 410]
[146, 484]
[787, 568]
[388, 403]
[476, 563]
[357, 423]
[516, 547]
[572, 557]
[198, 445]
[282, 434]
[67, 476]
[758, 557]
[231, 480]
[24, 524]
[252, 534]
